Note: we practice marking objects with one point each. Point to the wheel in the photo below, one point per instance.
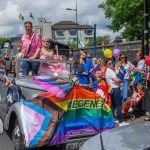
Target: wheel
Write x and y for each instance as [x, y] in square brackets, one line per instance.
[132, 117]
[17, 138]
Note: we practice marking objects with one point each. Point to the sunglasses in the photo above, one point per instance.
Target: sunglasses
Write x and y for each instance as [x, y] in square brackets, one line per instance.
[45, 41]
[110, 63]
[122, 57]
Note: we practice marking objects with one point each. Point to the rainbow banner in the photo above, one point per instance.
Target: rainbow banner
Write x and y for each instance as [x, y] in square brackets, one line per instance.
[85, 112]
[49, 121]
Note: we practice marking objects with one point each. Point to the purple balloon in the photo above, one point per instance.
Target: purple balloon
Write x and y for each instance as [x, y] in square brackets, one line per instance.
[116, 52]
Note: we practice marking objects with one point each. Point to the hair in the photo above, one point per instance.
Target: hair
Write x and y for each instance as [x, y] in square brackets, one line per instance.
[84, 59]
[140, 54]
[85, 53]
[134, 63]
[107, 60]
[45, 38]
[100, 60]
[125, 56]
[28, 22]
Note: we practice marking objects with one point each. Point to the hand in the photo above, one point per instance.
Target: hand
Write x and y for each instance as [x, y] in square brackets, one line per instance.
[31, 58]
[20, 55]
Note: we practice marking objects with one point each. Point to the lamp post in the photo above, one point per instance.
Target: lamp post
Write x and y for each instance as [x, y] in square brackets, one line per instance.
[76, 10]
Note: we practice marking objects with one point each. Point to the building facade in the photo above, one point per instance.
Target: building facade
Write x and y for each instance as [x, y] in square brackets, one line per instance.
[64, 31]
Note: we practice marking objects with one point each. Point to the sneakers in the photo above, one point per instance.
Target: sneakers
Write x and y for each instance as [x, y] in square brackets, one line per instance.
[130, 110]
[123, 111]
[116, 121]
[123, 124]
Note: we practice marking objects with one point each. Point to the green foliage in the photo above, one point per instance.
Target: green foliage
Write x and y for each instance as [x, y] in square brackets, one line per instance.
[3, 39]
[127, 15]
[99, 40]
[72, 45]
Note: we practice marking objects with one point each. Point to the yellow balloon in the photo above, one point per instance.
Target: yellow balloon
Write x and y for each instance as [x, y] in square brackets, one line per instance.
[108, 53]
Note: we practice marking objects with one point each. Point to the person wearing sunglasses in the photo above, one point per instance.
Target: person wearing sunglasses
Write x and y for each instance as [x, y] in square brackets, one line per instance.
[116, 99]
[125, 82]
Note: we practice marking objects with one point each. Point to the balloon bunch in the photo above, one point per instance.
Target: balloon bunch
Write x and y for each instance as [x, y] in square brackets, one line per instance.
[108, 53]
[147, 60]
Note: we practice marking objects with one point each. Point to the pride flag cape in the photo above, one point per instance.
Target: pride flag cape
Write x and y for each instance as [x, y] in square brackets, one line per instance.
[85, 112]
[29, 45]
[54, 86]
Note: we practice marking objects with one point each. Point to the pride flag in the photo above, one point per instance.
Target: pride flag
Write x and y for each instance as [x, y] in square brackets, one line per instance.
[49, 121]
[85, 112]
[31, 15]
[60, 88]
[21, 17]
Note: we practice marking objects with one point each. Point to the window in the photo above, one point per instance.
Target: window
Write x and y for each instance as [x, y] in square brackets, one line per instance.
[72, 39]
[60, 32]
[87, 39]
[72, 32]
[88, 32]
[61, 40]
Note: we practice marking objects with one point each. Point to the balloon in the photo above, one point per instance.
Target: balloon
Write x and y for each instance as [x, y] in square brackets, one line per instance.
[116, 52]
[147, 60]
[108, 53]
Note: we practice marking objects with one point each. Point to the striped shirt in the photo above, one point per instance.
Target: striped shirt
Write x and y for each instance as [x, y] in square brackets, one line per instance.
[35, 46]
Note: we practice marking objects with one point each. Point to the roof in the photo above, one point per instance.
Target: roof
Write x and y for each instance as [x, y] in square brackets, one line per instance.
[70, 25]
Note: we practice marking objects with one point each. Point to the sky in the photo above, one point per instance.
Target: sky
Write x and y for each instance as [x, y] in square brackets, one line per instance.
[53, 11]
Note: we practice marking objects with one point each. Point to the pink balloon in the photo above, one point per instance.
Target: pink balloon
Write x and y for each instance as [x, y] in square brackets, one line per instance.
[116, 52]
[147, 60]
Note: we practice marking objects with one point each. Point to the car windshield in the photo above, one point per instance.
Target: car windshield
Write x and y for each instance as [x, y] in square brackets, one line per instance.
[46, 68]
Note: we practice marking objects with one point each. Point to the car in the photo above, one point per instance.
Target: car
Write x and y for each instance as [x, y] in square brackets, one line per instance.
[135, 136]
[47, 109]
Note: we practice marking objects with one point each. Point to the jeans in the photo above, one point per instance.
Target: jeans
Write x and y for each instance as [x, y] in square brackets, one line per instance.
[26, 65]
[125, 90]
[116, 103]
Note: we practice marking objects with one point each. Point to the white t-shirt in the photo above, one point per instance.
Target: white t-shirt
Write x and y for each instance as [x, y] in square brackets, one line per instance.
[128, 66]
[110, 74]
[141, 65]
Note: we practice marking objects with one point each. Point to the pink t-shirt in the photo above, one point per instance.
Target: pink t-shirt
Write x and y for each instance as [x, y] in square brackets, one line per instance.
[35, 46]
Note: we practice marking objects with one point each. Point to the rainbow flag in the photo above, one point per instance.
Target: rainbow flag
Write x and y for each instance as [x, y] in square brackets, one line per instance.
[49, 121]
[54, 86]
[31, 15]
[110, 90]
[21, 17]
[18, 47]
[85, 112]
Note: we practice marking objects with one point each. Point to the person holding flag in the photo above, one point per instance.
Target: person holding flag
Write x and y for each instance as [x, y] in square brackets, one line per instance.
[31, 47]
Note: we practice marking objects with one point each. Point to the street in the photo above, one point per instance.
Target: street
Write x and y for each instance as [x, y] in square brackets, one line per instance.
[6, 144]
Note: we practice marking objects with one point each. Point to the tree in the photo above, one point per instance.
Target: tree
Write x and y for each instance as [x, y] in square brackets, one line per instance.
[72, 45]
[126, 15]
[3, 39]
[99, 40]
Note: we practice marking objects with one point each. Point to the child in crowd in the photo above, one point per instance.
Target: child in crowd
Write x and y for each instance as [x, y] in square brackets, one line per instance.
[120, 70]
[101, 88]
[135, 99]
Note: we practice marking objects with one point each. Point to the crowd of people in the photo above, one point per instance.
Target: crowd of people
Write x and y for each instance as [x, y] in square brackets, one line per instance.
[112, 80]
[109, 79]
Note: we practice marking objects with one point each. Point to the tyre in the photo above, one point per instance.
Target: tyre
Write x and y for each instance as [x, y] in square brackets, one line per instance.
[17, 138]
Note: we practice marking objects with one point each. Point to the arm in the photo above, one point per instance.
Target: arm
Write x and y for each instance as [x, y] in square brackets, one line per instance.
[38, 50]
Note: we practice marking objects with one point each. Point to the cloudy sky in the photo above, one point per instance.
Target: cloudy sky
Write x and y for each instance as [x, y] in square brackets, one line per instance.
[52, 10]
